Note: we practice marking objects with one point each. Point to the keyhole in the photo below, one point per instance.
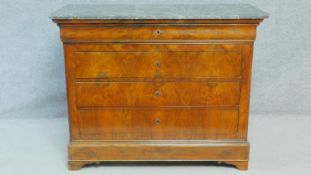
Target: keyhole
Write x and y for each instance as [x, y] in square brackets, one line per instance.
[157, 121]
[157, 64]
[157, 93]
[157, 32]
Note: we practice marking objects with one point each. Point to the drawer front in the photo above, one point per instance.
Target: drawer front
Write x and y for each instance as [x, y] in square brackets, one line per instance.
[141, 124]
[114, 94]
[132, 33]
[178, 64]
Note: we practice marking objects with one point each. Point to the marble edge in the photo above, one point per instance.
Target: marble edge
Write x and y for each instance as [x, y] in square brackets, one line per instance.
[57, 16]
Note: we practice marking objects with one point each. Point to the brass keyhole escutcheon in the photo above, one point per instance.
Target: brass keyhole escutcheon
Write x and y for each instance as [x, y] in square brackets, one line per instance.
[157, 64]
[157, 93]
[157, 32]
[157, 121]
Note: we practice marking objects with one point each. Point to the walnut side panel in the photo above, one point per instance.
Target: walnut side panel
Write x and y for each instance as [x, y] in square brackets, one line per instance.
[247, 54]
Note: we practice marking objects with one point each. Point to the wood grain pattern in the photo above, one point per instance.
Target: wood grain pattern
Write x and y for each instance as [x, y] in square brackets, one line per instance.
[157, 124]
[161, 150]
[210, 46]
[155, 33]
[181, 64]
[141, 94]
[87, 152]
[245, 90]
[158, 90]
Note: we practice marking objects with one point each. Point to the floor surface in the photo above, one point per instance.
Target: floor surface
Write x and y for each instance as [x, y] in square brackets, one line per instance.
[280, 145]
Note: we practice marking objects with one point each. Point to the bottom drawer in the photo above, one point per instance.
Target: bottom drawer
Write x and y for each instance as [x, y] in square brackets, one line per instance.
[156, 124]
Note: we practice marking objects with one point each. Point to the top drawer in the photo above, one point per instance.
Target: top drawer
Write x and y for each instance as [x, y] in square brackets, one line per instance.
[147, 33]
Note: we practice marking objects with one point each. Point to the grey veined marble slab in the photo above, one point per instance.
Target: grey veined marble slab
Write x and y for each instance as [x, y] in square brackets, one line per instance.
[154, 11]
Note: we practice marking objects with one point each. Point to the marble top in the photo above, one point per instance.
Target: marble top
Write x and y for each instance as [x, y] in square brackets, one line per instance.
[154, 11]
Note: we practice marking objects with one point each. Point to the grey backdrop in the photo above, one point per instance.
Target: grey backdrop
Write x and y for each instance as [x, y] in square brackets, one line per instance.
[32, 82]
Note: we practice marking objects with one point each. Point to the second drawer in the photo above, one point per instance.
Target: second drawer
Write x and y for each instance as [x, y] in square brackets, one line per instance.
[177, 64]
[144, 94]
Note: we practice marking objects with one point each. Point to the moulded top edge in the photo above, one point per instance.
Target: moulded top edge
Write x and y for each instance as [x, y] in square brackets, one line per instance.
[155, 11]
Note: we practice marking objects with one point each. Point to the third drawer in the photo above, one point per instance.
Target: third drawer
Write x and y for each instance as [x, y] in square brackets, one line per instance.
[145, 94]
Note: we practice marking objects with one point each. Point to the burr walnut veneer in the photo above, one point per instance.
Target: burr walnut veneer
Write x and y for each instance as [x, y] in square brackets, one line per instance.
[158, 89]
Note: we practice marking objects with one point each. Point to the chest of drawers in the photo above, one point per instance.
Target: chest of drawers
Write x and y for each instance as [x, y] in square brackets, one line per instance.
[146, 85]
